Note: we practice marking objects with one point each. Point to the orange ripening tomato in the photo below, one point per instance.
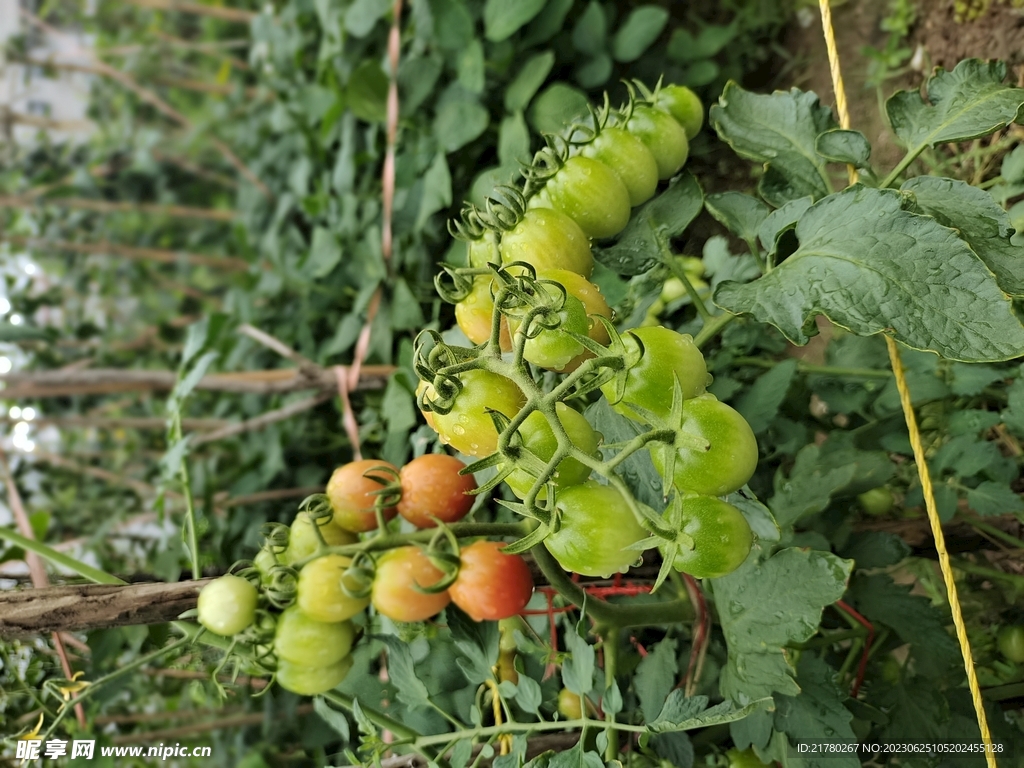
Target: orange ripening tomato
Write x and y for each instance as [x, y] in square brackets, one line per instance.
[352, 495]
[433, 488]
[491, 585]
[394, 593]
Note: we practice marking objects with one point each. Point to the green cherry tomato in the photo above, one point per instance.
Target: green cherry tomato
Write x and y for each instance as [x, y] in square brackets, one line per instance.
[548, 239]
[321, 591]
[265, 561]
[433, 488]
[663, 136]
[401, 574]
[629, 158]
[554, 348]
[309, 681]
[539, 439]
[684, 105]
[596, 526]
[303, 541]
[491, 585]
[590, 193]
[1011, 642]
[668, 357]
[483, 250]
[227, 605]
[473, 314]
[468, 427]
[304, 640]
[876, 502]
[570, 705]
[745, 759]
[721, 538]
[716, 451]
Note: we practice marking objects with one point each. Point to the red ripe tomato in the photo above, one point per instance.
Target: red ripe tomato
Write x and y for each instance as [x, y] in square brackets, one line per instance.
[394, 593]
[491, 585]
[432, 487]
[352, 495]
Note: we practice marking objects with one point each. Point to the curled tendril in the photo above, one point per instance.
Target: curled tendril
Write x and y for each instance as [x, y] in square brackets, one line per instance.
[276, 535]
[318, 509]
[357, 579]
[469, 225]
[546, 163]
[443, 552]
[454, 284]
[280, 587]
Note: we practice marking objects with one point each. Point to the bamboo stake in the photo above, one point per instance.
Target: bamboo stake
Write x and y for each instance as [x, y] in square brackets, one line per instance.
[110, 206]
[135, 253]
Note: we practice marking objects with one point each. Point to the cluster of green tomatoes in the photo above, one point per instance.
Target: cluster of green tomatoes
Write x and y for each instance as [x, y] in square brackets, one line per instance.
[525, 301]
[303, 603]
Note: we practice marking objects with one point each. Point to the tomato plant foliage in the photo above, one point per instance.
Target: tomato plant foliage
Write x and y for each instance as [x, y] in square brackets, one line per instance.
[801, 626]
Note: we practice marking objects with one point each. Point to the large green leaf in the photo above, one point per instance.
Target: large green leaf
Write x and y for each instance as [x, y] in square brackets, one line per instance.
[686, 714]
[638, 247]
[983, 224]
[758, 624]
[871, 267]
[779, 130]
[503, 18]
[969, 102]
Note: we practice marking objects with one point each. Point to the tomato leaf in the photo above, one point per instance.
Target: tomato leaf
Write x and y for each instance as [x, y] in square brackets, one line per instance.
[968, 102]
[781, 131]
[992, 498]
[656, 676]
[502, 19]
[871, 267]
[578, 669]
[741, 214]
[477, 643]
[638, 32]
[335, 719]
[914, 619]
[760, 404]
[757, 625]
[639, 247]
[818, 713]
[530, 78]
[685, 714]
[844, 146]
[402, 673]
[981, 223]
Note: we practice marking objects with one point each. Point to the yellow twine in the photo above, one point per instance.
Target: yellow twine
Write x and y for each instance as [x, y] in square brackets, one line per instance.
[915, 434]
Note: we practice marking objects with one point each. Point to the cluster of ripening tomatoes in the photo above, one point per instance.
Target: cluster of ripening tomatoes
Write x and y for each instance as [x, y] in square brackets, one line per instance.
[580, 188]
[313, 636]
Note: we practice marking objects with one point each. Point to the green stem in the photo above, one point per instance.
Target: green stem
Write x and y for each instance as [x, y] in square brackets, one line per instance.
[195, 633]
[191, 537]
[903, 164]
[610, 642]
[393, 540]
[603, 612]
[556, 725]
[827, 370]
[990, 573]
[670, 261]
[58, 558]
[991, 530]
[712, 328]
[831, 639]
[95, 685]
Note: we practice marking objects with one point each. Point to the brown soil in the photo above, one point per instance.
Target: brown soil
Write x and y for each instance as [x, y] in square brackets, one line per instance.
[997, 33]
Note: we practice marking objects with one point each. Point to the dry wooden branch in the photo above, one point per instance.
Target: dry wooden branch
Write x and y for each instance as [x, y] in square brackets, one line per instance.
[124, 422]
[97, 381]
[200, 9]
[105, 70]
[76, 608]
[263, 420]
[109, 206]
[159, 255]
[73, 608]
